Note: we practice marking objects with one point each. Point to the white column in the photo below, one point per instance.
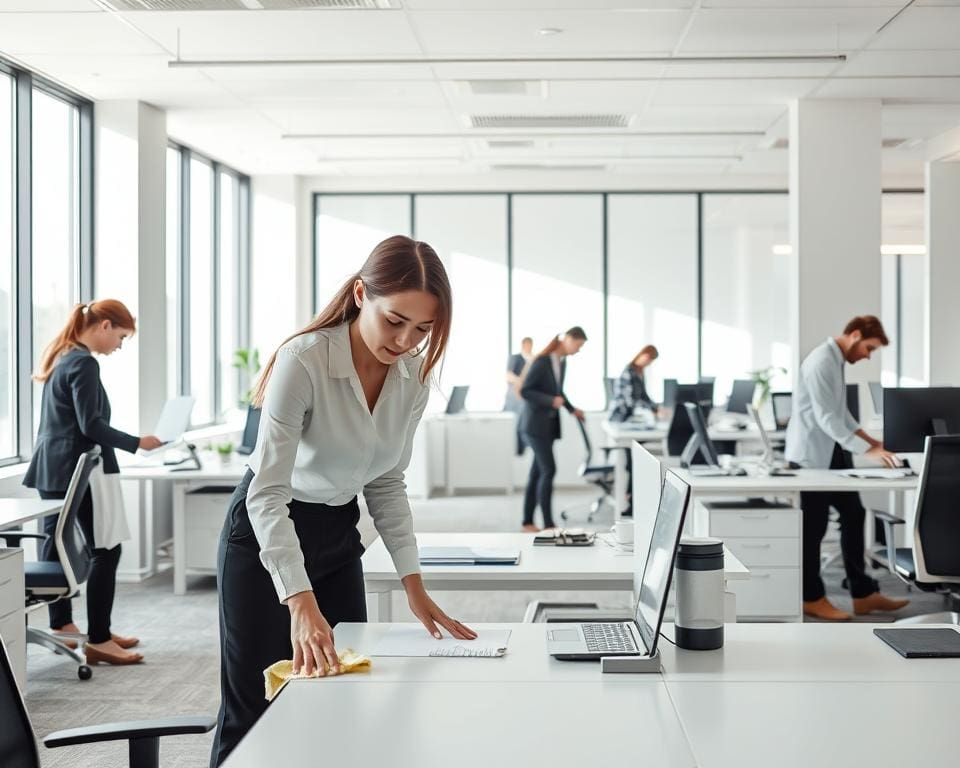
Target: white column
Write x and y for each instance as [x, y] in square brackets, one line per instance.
[129, 265]
[835, 192]
[942, 201]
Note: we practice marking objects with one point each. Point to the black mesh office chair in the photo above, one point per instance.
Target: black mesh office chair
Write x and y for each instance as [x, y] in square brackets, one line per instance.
[600, 475]
[932, 563]
[18, 745]
[47, 582]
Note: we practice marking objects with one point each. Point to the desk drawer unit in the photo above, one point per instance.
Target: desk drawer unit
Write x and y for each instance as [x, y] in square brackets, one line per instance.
[767, 541]
[204, 513]
[12, 627]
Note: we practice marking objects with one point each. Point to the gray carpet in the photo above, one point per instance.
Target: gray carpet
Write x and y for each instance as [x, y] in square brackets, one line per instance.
[179, 640]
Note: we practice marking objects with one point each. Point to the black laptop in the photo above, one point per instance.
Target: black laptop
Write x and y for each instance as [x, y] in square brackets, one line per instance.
[926, 643]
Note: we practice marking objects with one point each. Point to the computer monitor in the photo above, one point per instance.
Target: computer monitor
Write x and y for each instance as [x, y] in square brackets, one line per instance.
[705, 390]
[250, 430]
[876, 394]
[910, 414]
[658, 567]
[782, 403]
[669, 392]
[458, 398]
[853, 400]
[699, 441]
[741, 396]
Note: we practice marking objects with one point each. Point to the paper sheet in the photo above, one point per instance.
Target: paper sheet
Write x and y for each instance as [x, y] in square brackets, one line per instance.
[404, 640]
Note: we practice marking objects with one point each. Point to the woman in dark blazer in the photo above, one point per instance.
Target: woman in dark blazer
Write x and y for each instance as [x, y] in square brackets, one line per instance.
[74, 417]
[542, 394]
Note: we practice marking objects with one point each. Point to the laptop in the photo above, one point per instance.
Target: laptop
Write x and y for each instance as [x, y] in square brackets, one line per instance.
[592, 641]
[458, 399]
[932, 643]
[468, 556]
[250, 430]
[769, 459]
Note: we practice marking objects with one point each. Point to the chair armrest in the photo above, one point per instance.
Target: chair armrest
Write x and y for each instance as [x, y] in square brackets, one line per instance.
[889, 521]
[133, 729]
[14, 537]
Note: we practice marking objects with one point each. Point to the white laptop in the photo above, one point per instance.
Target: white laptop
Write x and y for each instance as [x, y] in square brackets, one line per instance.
[770, 463]
[594, 640]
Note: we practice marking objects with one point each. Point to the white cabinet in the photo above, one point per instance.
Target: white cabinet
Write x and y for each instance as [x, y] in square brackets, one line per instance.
[12, 626]
[205, 510]
[765, 537]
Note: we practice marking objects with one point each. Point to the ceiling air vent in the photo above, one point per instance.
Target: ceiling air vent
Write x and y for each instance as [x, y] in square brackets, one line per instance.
[333, 5]
[510, 144]
[886, 143]
[498, 87]
[178, 5]
[549, 121]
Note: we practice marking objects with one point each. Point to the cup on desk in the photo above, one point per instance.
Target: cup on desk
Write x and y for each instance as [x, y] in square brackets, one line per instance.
[623, 532]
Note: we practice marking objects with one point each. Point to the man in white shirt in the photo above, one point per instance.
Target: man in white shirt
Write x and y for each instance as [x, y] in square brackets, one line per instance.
[820, 433]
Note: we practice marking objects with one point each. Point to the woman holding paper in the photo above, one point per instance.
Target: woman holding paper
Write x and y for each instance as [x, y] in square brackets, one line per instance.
[341, 400]
[75, 416]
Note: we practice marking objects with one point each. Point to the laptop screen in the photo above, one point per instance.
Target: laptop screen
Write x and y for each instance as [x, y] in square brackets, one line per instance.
[658, 569]
[251, 428]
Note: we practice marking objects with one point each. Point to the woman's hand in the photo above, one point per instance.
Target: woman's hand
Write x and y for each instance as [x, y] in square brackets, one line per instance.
[429, 612]
[579, 414]
[149, 442]
[558, 402]
[311, 637]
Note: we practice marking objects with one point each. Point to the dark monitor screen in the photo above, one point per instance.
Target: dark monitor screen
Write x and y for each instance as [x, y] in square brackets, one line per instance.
[741, 395]
[250, 430]
[910, 414]
[853, 400]
[458, 398]
[705, 390]
[876, 394]
[658, 568]
[782, 403]
[700, 441]
[669, 392]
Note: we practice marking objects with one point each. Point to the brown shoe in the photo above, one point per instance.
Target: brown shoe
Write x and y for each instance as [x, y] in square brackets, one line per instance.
[125, 642]
[97, 656]
[66, 639]
[825, 610]
[876, 602]
[530, 528]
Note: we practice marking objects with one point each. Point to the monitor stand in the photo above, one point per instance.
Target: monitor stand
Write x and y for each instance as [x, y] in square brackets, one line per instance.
[193, 458]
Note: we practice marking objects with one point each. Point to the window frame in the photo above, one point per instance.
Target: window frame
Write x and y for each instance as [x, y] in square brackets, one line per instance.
[24, 82]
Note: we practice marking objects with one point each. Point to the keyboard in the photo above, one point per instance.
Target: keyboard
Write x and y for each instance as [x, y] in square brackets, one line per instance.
[608, 637]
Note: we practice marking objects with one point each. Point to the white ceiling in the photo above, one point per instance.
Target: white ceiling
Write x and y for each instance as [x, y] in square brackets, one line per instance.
[245, 115]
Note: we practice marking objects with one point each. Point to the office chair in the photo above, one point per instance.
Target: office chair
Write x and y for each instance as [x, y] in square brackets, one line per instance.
[932, 564]
[600, 475]
[18, 744]
[46, 582]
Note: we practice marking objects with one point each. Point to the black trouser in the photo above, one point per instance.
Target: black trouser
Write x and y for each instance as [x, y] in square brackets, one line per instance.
[101, 581]
[254, 624]
[816, 513]
[540, 482]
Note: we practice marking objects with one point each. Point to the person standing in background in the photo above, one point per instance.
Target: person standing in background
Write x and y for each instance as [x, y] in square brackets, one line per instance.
[516, 365]
[630, 389]
[543, 396]
[74, 417]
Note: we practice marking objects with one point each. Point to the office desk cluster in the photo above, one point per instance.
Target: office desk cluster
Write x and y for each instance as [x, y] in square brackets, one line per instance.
[789, 695]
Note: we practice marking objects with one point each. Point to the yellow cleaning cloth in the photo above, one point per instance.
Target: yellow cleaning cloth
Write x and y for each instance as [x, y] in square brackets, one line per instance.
[276, 675]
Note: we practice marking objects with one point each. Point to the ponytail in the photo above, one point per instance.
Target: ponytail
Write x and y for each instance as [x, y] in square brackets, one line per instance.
[82, 317]
[576, 332]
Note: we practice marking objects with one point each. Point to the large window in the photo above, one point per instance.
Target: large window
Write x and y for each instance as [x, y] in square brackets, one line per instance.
[8, 443]
[55, 231]
[746, 285]
[469, 234]
[207, 266]
[45, 237]
[652, 295]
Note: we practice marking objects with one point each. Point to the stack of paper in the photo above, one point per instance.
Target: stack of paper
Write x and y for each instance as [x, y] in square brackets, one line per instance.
[468, 556]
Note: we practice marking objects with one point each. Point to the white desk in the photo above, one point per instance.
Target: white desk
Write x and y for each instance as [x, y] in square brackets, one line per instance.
[600, 567]
[769, 541]
[16, 512]
[213, 472]
[623, 435]
[771, 696]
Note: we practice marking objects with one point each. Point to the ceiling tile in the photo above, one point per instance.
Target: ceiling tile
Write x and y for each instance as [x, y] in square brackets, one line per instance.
[922, 28]
[69, 33]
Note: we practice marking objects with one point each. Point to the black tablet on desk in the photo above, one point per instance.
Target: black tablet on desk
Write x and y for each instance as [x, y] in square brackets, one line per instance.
[931, 643]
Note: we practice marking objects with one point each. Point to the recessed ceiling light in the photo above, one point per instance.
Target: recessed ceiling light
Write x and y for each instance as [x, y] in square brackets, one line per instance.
[547, 31]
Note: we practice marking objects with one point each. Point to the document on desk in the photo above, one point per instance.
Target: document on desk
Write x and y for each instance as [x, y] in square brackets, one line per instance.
[878, 473]
[407, 640]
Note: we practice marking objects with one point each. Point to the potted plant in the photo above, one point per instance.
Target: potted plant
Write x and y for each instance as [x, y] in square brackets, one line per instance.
[224, 450]
[763, 378]
[247, 361]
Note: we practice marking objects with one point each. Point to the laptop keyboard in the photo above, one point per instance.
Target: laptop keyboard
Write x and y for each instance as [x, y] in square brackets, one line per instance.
[608, 637]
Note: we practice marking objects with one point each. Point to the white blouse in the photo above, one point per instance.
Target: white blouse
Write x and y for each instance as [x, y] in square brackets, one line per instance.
[318, 442]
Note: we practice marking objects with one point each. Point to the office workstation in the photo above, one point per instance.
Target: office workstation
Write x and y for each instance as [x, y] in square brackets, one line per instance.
[581, 374]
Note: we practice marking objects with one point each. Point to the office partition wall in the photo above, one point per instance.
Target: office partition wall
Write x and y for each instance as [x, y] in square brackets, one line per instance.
[652, 284]
[469, 234]
[8, 443]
